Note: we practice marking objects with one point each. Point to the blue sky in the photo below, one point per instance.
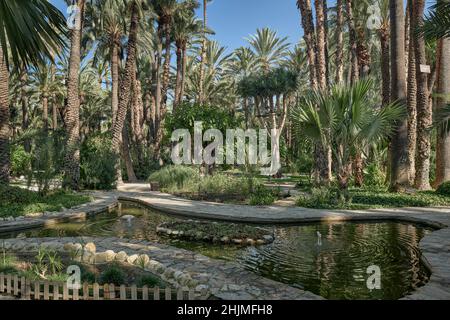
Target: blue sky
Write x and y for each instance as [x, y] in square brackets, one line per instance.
[234, 20]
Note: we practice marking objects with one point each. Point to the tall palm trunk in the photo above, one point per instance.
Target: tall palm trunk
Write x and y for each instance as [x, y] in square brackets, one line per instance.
[308, 29]
[54, 97]
[424, 113]
[179, 74]
[412, 95]
[339, 42]
[115, 80]
[385, 63]
[443, 90]
[158, 102]
[399, 167]
[4, 121]
[203, 54]
[125, 87]
[72, 116]
[24, 103]
[45, 111]
[166, 68]
[354, 66]
[183, 72]
[321, 62]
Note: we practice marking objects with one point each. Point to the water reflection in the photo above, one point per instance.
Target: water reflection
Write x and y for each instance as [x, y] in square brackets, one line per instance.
[335, 267]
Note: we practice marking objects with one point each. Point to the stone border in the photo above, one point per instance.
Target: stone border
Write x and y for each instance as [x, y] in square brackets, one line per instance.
[180, 268]
[435, 247]
[168, 229]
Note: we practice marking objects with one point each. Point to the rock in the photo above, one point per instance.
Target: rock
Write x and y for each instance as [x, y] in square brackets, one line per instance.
[104, 257]
[237, 241]
[121, 256]
[127, 217]
[268, 239]
[69, 246]
[168, 273]
[142, 260]
[250, 242]
[19, 245]
[90, 247]
[202, 288]
[52, 245]
[89, 257]
[225, 240]
[260, 242]
[177, 275]
[131, 259]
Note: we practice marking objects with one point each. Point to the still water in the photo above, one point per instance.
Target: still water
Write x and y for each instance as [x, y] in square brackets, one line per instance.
[335, 267]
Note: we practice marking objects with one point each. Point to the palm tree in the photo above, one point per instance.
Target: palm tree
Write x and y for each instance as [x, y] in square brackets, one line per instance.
[424, 113]
[185, 28]
[354, 68]
[443, 89]
[399, 166]
[203, 51]
[339, 42]
[29, 31]
[269, 49]
[322, 59]
[412, 93]
[126, 81]
[72, 156]
[346, 121]
[309, 36]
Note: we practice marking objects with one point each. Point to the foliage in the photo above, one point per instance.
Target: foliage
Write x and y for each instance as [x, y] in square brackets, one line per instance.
[112, 275]
[444, 189]
[262, 196]
[321, 197]
[97, 163]
[268, 84]
[173, 177]
[374, 176]
[20, 161]
[149, 281]
[48, 263]
[15, 201]
[437, 23]
[372, 199]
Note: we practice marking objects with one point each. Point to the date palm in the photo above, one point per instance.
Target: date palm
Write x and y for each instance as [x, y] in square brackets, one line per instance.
[269, 49]
[29, 31]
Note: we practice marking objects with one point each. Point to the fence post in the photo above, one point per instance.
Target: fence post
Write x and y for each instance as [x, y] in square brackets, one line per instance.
[156, 293]
[2, 282]
[37, 290]
[191, 295]
[168, 292]
[96, 291]
[133, 292]
[46, 291]
[180, 295]
[112, 292]
[145, 293]
[27, 289]
[22, 287]
[123, 292]
[8, 283]
[65, 291]
[86, 291]
[55, 291]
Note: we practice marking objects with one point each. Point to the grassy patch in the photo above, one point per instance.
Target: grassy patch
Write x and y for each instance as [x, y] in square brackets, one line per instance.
[372, 199]
[15, 201]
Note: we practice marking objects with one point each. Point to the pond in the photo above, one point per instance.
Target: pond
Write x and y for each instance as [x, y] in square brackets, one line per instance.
[335, 267]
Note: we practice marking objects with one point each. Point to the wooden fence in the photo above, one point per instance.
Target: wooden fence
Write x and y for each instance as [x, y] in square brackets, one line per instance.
[20, 287]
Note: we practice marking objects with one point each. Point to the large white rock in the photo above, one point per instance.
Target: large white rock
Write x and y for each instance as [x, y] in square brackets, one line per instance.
[90, 247]
[121, 256]
[131, 259]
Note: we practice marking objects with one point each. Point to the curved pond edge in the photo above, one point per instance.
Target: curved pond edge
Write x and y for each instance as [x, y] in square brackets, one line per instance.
[435, 247]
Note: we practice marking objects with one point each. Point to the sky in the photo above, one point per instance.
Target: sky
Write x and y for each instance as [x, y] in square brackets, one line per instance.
[235, 20]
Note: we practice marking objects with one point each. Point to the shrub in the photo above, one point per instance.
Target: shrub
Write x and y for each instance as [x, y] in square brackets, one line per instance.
[20, 161]
[374, 176]
[98, 163]
[262, 196]
[444, 189]
[13, 195]
[322, 197]
[149, 281]
[112, 275]
[175, 177]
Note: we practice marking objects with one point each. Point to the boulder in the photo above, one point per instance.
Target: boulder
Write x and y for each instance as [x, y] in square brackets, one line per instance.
[90, 247]
[121, 256]
[131, 259]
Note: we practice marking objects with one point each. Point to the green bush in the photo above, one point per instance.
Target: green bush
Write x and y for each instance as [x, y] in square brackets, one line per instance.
[374, 176]
[14, 195]
[322, 197]
[262, 196]
[444, 189]
[20, 161]
[112, 275]
[149, 281]
[97, 168]
[175, 177]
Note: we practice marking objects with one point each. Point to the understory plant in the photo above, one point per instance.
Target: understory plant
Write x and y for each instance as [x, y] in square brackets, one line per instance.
[346, 121]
